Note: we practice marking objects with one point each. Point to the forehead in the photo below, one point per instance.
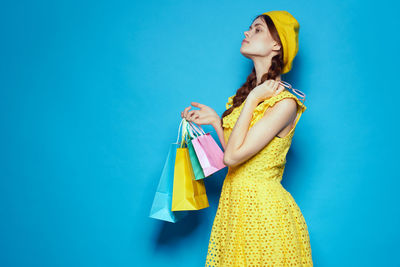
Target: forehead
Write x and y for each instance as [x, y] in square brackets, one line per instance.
[258, 21]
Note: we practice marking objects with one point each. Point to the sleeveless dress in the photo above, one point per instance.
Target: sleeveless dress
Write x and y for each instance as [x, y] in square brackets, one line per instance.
[257, 222]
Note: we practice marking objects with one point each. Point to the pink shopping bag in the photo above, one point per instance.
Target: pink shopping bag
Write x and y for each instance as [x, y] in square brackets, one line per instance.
[208, 152]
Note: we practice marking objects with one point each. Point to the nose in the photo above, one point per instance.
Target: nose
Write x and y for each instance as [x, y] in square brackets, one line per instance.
[246, 34]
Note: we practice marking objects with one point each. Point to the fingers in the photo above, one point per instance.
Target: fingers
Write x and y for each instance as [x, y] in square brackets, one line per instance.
[193, 116]
[196, 120]
[197, 105]
[277, 87]
[185, 111]
[189, 115]
[281, 87]
[276, 84]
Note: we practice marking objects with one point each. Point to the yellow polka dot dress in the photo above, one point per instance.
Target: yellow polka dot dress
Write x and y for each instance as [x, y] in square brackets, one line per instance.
[258, 223]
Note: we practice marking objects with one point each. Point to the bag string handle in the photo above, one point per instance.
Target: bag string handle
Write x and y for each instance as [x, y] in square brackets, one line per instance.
[183, 125]
[179, 129]
[196, 128]
[192, 133]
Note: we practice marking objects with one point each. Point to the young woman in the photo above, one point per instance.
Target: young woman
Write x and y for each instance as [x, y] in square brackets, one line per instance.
[258, 223]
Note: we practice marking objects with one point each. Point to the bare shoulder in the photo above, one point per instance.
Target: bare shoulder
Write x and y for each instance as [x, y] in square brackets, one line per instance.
[285, 106]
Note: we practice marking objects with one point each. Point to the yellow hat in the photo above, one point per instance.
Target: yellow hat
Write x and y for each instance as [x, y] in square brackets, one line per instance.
[288, 30]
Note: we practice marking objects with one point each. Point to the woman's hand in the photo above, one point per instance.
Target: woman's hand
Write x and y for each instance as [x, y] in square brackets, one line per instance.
[266, 90]
[205, 115]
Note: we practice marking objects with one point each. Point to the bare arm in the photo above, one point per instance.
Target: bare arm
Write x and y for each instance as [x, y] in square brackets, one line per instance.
[244, 143]
[220, 131]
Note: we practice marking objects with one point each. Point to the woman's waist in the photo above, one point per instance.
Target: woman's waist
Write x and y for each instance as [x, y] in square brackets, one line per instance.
[265, 173]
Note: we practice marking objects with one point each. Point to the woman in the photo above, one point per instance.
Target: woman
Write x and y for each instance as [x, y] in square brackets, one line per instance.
[258, 223]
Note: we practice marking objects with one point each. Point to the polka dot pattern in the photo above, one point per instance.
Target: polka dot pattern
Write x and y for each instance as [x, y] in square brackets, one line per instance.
[258, 223]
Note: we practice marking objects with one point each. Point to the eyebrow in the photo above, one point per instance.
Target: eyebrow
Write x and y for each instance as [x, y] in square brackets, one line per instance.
[256, 25]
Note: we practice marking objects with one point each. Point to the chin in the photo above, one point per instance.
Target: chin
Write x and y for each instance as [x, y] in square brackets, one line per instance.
[244, 53]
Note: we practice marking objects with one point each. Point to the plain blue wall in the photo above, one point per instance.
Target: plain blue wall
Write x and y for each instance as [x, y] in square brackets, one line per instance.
[91, 95]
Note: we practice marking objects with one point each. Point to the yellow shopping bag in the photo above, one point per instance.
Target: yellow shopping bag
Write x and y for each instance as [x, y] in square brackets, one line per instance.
[188, 193]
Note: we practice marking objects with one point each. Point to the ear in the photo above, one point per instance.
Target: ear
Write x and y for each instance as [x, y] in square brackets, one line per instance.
[276, 46]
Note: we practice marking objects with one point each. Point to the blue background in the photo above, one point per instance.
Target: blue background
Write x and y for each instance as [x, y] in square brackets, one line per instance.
[91, 95]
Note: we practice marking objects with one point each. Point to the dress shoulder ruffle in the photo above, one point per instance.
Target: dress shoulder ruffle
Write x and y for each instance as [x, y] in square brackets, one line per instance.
[230, 120]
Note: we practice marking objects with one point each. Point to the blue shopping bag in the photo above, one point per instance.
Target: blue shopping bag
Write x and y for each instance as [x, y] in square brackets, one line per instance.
[162, 203]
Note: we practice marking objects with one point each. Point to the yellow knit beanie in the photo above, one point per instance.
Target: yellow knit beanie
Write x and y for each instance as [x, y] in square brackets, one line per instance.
[288, 30]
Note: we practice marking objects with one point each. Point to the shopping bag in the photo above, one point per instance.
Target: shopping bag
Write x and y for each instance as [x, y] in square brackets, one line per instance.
[188, 193]
[162, 203]
[209, 154]
[197, 170]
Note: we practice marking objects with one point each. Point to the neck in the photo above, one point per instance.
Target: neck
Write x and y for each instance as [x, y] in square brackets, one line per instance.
[262, 66]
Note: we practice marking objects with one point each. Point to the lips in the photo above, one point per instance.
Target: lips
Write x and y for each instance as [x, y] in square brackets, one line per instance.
[245, 41]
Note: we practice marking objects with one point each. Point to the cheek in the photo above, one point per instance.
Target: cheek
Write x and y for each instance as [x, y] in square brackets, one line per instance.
[261, 47]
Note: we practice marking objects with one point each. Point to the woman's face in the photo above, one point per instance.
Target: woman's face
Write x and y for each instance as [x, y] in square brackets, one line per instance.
[258, 41]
